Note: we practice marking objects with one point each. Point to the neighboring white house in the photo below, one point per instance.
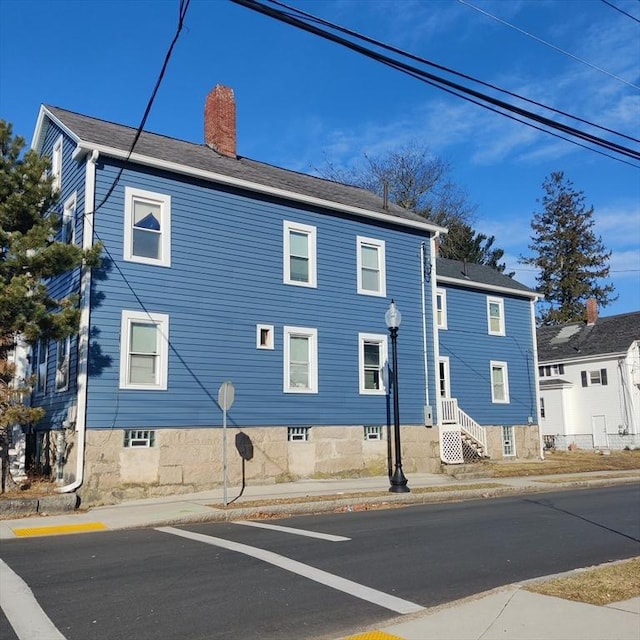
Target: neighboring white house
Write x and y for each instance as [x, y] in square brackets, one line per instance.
[589, 376]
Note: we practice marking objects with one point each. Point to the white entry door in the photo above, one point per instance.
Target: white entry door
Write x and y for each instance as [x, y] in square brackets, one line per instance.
[599, 429]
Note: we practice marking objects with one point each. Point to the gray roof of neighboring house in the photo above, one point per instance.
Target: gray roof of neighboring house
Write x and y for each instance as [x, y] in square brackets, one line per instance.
[578, 339]
[94, 131]
[479, 275]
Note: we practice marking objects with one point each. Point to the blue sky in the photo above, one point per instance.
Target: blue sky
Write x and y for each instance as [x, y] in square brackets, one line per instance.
[302, 101]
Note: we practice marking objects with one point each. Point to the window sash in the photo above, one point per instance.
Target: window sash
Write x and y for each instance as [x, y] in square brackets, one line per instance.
[62, 364]
[147, 227]
[371, 266]
[299, 254]
[441, 309]
[300, 360]
[495, 315]
[372, 357]
[144, 350]
[499, 382]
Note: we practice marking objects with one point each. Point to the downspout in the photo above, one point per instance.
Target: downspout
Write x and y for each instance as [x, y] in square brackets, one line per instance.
[424, 327]
[84, 328]
[536, 377]
[436, 338]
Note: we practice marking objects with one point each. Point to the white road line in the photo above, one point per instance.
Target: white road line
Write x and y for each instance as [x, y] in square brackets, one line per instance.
[323, 577]
[297, 532]
[25, 615]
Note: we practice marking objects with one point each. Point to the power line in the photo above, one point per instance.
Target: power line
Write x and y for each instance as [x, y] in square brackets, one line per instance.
[484, 100]
[548, 44]
[613, 6]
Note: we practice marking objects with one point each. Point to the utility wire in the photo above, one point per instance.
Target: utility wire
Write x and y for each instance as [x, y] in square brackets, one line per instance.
[548, 44]
[613, 6]
[481, 99]
[435, 65]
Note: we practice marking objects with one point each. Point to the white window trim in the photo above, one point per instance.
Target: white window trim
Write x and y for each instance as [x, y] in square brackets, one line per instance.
[495, 364]
[69, 212]
[56, 164]
[270, 339]
[381, 339]
[500, 303]
[311, 233]
[362, 241]
[130, 195]
[444, 361]
[161, 320]
[441, 323]
[512, 439]
[41, 351]
[312, 334]
[63, 375]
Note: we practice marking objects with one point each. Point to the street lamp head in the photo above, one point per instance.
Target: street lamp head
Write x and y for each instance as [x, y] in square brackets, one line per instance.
[393, 316]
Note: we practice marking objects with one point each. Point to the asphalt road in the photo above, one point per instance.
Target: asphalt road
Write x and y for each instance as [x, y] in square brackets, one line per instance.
[157, 584]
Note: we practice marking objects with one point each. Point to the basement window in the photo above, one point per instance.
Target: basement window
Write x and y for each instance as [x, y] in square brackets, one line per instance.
[139, 438]
[298, 434]
[372, 432]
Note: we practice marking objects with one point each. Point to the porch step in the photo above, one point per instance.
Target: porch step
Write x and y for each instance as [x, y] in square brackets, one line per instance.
[467, 471]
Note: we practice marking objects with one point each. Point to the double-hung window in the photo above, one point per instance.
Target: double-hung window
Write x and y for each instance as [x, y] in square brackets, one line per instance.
[300, 360]
[39, 366]
[147, 232]
[495, 316]
[144, 341]
[68, 231]
[62, 364]
[371, 267]
[499, 382]
[441, 308]
[372, 358]
[299, 241]
[56, 165]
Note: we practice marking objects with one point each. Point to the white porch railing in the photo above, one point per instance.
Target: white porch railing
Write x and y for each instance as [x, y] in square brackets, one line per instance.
[452, 414]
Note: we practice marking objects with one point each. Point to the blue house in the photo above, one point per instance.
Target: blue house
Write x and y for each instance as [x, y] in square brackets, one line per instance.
[218, 268]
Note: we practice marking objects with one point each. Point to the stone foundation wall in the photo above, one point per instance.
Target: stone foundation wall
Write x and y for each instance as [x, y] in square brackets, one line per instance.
[527, 442]
[188, 460]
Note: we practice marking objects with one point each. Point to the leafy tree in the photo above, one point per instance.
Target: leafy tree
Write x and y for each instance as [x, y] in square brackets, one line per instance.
[571, 259]
[415, 179]
[28, 256]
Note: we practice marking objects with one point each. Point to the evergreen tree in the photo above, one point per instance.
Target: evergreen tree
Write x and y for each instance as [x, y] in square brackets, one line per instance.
[28, 256]
[415, 179]
[572, 261]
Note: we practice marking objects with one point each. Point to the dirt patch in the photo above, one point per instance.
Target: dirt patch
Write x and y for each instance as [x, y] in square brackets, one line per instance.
[556, 462]
[600, 585]
[30, 489]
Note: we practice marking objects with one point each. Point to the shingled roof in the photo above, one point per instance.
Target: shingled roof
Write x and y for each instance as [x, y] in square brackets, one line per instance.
[479, 276]
[607, 336]
[108, 137]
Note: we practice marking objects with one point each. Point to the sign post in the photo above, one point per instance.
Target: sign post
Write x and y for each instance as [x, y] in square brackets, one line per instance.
[226, 396]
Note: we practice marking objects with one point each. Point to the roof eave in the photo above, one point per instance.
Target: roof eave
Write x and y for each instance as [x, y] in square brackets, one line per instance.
[84, 147]
[532, 295]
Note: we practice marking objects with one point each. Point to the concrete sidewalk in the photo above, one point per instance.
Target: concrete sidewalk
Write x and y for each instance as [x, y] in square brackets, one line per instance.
[510, 613]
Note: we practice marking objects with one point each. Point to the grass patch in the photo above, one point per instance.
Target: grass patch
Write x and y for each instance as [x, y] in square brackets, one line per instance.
[556, 462]
[601, 585]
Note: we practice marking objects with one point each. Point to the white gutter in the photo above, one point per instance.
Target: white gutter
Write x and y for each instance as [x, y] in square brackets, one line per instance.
[84, 328]
[436, 330]
[461, 282]
[536, 377]
[424, 327]
[577, 359]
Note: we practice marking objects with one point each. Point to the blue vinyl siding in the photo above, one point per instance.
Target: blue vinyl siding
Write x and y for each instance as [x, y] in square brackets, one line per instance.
[226, 276]
[55, 402]
[470, 349]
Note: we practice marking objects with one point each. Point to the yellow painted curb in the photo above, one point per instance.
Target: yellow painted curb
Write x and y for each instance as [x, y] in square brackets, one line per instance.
[55, 530]
[374, 635]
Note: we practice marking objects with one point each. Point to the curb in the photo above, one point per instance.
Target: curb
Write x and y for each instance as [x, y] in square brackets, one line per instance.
[46, 505]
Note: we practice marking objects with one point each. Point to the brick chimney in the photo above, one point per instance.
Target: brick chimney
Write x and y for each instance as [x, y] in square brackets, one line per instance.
[220, 121]
[592, 311]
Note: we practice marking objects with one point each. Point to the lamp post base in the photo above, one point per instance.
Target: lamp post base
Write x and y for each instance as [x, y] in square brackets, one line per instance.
[398, 482]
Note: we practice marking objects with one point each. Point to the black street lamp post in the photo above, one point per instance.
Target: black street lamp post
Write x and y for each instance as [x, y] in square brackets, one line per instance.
[398, 481]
